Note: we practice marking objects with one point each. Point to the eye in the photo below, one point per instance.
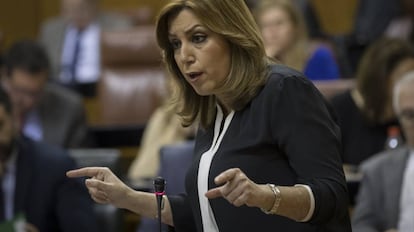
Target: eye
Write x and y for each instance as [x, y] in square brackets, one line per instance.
[199, 38]
[175, 44]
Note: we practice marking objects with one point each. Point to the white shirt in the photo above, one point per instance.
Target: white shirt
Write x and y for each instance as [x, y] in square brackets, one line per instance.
[32, 127]
[88, 65]
[207, 215]
[406, 219]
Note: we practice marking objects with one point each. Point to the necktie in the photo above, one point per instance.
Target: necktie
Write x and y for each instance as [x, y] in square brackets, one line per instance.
[75, 57]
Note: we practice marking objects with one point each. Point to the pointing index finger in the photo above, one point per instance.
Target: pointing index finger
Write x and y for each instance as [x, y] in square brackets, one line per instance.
[89, 172]
[213, 193]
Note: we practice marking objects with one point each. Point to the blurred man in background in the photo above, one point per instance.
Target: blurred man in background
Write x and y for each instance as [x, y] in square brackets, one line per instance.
[386, 196]
[33, 185]
[72, 42]
[43, 111]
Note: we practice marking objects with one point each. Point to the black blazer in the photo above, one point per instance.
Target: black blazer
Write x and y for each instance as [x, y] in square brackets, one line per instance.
[286, 136]
[50, 201]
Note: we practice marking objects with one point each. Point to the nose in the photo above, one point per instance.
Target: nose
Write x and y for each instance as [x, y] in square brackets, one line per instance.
[187, 54]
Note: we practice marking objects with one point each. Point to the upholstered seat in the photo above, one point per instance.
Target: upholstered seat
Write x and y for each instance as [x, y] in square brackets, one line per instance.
[132, 83]
[109, 217]
[175, 160]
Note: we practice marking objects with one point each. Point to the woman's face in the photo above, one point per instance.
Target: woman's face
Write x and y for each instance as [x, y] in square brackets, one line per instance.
[277, 29]
[202, 56]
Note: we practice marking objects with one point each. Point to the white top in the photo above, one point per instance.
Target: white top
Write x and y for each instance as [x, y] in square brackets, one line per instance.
[207, 215]
[406, 220]
[88, 66]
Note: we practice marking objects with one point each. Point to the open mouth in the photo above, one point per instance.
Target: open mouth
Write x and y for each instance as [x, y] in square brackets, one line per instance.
[194, 75]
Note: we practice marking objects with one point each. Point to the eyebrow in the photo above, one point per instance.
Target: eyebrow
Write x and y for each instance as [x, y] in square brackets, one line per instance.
[189, 30]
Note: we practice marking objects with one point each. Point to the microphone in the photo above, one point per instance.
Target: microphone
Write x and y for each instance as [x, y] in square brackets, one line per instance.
[159, 186]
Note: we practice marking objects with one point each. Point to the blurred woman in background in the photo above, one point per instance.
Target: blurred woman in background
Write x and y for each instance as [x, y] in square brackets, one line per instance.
[365, 112]
[286, 39]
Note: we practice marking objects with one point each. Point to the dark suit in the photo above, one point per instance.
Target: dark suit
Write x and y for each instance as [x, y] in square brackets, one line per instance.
[62, 118]
[379, 195]
[50, 201]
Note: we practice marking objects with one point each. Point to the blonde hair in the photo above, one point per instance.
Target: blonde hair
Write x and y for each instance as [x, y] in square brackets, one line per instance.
[232, 20]
[298, 53]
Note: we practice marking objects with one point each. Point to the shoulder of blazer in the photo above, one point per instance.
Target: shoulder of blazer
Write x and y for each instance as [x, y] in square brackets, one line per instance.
[386, 159]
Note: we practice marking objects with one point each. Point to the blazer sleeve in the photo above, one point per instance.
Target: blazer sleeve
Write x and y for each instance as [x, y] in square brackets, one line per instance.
[304, 129]
[182, 214]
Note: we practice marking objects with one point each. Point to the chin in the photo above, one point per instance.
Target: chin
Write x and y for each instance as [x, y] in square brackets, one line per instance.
[202, 93]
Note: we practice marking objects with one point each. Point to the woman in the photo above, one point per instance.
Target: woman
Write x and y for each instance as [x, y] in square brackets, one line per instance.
[365, 113]
[256, 148]
[285, 38]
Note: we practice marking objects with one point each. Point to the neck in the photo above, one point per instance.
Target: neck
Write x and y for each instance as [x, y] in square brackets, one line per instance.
[226, 109]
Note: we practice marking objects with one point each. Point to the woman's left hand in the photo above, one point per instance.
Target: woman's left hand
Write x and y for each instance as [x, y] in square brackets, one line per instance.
[239, 190]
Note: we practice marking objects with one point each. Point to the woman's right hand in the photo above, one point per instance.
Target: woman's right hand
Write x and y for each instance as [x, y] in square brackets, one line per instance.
[104, 187]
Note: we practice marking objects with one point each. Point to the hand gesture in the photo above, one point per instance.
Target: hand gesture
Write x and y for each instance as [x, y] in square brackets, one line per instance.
[104, 187]
[238, 189]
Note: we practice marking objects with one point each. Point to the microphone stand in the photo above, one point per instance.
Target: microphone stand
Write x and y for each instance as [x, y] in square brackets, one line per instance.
[159, 186]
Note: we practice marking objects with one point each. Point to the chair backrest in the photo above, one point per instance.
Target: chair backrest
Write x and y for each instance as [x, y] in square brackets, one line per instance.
[130, 48]
[109, 217]
[132, 84]
[334, 87]
[129, 97]
[175, 160]
[142, 15]
[96, 157]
